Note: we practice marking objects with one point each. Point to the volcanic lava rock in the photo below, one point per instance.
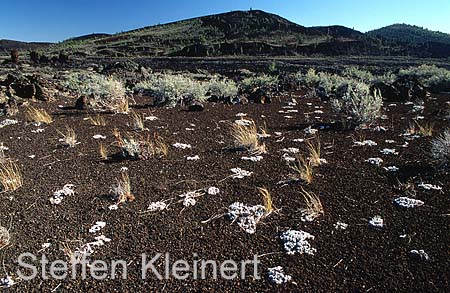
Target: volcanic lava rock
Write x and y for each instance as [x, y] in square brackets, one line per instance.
[409, 89]
[260, 96]
[34, 56]
[387, 91]
[195, 106]
[15, 56]
[81, 103]
[63, 58]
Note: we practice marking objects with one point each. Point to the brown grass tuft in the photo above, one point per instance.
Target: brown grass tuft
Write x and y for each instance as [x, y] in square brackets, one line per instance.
[425, 129]
[10, 176]
[69, 138]
[38, 115]
[138, 121]
[267, 198]
[314, 206]
[103, 151]
[246, 137]
[314, 152]
[303, 169]
[97, 120]
[122, 189]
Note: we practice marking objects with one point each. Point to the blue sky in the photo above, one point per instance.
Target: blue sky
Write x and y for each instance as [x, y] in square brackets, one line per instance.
[56, 20]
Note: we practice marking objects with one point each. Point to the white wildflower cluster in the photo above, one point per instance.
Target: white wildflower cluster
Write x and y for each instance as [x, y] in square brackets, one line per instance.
[182, 146]
[157, 206]
[97, 227]
[420, 254]
[213, 190]
[193, 158]
[239, 173]
[59, 195]
[277, 276]
[189, 198]
[297, 242]
[7, 282]
[391, 168]
[246, 216]
[88, 248]
[340, 226]
[252, 158]
[243, 122]
[375, 161]
[365, 143]
[389, 152]
[291, 150]
[8, 122]
[406, 202]
[376, 222]
[428, 186]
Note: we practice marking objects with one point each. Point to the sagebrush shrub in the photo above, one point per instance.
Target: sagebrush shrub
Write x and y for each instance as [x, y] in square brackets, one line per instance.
[431, 76]
[223, 88]
[264, 82]
[355, 100]
[103, 93]
[358, 74]
[169, 89]
[440, 149]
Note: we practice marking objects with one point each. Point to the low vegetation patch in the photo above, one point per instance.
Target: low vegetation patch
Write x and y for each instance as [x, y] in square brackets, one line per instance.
[102, 93]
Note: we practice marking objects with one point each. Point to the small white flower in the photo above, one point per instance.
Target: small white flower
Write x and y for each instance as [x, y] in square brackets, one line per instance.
[213, 190]
[391, 168]
[387, 151]
[157, 206]
[182, 146]
[340, 226]
[253, 158]
[193, 158]
[113, 207]
[428, 186]
[375, 161]
[243, 122]
[123, 169]
[240, 173]
[151, 118]
[377, 222]
[406, 202]
[276, 275]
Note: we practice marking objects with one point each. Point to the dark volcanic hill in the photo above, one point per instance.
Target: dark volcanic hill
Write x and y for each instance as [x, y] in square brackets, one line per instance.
[235, 33]
[410, 34]
[8, 45]
[257, 33]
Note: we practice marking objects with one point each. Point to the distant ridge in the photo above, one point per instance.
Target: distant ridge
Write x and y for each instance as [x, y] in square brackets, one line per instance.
[256, 33]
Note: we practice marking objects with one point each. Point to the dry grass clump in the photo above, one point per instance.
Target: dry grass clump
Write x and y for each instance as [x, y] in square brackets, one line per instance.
[69, 138]
[10, 176]
[4, 237]
[267, 198]
[246, 137]
[138, 121]
[314, 206]
[141, 147]
[425, 129]
[38, 115]
[122, 189]
[303, 169]
[97, 120]
[314, 152]
[103, 151]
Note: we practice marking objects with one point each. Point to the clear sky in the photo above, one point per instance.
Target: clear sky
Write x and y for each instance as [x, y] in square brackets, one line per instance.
[56, 20]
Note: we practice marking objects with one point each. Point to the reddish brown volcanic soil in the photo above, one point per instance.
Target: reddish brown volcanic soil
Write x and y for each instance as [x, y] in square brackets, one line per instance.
[358, 259]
